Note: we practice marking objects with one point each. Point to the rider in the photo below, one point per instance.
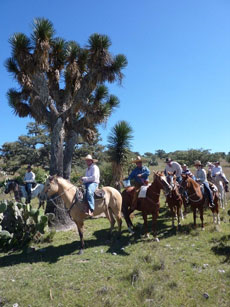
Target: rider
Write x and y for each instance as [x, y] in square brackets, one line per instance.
[91, 181]
[217, 170]
[186, 171]
[173, 166]
[140, 175]
[29, 179]
[201, 178]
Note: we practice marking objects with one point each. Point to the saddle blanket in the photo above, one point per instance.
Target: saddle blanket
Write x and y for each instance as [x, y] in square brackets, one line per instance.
[143, 191]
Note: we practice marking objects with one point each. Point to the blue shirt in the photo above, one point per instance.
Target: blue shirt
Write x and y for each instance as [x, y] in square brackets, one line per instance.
[139, 170]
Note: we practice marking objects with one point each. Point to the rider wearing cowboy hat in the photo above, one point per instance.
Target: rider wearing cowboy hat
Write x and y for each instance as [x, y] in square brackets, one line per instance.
[201, 178]
[217, 170]
[91, 181]
[140, 174]
[29, 180]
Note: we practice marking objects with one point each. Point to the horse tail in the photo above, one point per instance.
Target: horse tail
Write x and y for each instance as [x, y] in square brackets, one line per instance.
[114, 204]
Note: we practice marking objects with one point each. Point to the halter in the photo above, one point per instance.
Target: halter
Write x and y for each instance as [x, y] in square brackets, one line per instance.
[58, 196]
[189, 196]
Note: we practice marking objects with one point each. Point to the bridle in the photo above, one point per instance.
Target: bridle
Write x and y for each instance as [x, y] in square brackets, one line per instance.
[75, 199]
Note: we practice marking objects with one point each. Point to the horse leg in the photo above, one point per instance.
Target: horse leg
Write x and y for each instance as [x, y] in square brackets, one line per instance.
[144, 214]
[194, 216]
[80, 231]
[202, 217]
[111, 220]
[118, 219]
[178, 215]
[126, 213]
[154, 225]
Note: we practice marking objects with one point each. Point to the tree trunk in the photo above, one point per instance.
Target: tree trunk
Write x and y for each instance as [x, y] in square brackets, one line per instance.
[62, 219]
[70, 143]
[57, 141]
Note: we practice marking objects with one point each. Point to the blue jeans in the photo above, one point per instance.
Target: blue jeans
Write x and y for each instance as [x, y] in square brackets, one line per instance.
[90, 189]
[208, 191]
[28, 187]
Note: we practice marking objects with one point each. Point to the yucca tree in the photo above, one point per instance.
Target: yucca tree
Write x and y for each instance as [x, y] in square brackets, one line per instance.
[119, 143]
[62, 86]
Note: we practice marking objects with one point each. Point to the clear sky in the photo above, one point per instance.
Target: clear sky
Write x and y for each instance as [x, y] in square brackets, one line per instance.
[176, 90]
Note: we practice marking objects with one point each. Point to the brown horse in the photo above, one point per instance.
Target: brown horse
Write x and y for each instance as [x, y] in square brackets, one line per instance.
[197, 200]
[148, 205]
[110, 204]
[174, 198]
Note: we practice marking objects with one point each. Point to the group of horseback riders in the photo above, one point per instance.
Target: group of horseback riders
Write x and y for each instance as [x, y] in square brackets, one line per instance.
[140, 176]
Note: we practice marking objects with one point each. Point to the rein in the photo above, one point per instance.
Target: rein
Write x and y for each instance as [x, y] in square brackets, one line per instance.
[189, 196]
[58, 196]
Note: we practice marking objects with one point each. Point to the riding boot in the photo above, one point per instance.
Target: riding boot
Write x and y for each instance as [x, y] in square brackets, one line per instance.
[226, 187]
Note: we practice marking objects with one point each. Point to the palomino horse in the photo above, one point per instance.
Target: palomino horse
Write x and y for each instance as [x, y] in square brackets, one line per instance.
[197, 199]
[217, 180]
[110, 204]
[148, 205]
[174, 198]
[20, 191]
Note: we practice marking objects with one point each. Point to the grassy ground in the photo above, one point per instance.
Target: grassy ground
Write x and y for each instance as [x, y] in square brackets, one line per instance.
[189, 267]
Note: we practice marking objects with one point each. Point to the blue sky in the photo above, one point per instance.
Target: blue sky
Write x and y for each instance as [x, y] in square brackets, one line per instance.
[176, 90]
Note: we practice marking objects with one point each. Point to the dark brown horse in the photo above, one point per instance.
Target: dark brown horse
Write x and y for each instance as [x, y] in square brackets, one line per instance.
[174, 199]
[197, 200]
[148, 205]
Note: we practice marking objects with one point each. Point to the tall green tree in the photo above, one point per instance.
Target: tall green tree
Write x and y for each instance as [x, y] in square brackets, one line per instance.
[32, 148]
[62, 86]
[119, 143]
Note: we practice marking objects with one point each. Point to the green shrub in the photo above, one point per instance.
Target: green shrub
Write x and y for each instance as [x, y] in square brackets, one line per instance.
[20, 224]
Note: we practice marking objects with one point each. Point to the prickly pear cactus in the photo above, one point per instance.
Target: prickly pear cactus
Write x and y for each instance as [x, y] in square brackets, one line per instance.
[20, 224]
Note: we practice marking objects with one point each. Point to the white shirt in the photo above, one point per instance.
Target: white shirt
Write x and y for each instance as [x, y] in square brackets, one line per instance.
[92, 174]
[29, 177]
[217, 170]
[174, 166]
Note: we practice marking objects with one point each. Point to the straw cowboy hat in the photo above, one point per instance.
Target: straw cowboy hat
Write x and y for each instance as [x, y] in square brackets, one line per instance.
[89, 157]
[138, 159]
[197, 162]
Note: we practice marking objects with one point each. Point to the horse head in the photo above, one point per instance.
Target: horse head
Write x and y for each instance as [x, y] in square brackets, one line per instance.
[171, 178]
[11, 185]
[51, 186]
[160, 179]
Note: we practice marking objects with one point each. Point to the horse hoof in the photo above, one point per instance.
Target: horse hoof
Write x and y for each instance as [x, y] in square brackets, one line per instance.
[80, 252]
[130, 230]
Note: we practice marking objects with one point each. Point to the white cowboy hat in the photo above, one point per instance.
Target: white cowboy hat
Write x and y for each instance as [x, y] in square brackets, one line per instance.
[138, 159]
[89, 157]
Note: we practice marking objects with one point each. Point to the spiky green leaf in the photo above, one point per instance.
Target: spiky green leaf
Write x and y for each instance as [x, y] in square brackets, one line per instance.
[16, 102]
[99, 42]
[11, 66]
[43, 30]
[19, 43]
